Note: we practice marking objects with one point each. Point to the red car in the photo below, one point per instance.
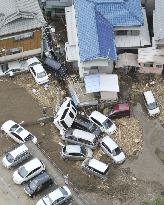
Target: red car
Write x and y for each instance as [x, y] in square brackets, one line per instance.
[120, 110]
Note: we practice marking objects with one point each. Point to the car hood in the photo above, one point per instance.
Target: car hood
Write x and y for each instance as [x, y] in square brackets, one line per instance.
[154, 111]
[5, 162]
[40, 202]
[28, 190]
[111, 129]
[7, 125]
[119, 158]
[17, 178]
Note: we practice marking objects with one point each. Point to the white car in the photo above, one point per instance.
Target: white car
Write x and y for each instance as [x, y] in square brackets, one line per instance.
[151, 104]
[112, 150]
[103, 122]
[37, 71]
[17, 132]
[28, 171]
[56, 197]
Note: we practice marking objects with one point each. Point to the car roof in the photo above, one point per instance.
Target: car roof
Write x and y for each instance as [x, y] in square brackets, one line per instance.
[32, 164]
[73, 148]
[121, 107]
[98, 116]
[83, 134]
[32, 60]
[54, 195]
[109, 142]
[96, 164]
[41, 178]
[23, 133]
[18, 150]
[38, 68]
[63, 106]
[149, 96]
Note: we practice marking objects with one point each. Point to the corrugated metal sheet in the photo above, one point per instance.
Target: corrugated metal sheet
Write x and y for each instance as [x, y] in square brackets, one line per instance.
[19, 15]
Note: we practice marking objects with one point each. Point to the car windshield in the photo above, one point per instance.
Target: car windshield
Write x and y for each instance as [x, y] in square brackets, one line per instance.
[93, 127]
[152, 106]
[116, 152]
[41, 75]
[83, 150]
[35, 63]
[9, 157]
[30, 136]
[14, 127]
[33, 185]
[22, 172]
[107, 123]
[64, 192]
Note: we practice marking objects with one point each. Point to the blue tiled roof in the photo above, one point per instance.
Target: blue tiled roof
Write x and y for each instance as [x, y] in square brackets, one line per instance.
[95, 20]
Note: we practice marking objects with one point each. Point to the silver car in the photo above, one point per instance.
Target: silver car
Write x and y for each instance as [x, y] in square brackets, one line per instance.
[76, 152]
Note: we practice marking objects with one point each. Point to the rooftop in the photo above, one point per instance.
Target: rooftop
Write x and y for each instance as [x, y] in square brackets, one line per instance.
[19, 15]
[95, 20]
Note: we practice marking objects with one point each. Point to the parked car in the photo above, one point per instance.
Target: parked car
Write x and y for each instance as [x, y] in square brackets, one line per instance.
[16, 156]
[65, 115]
[56, 197]
[95, 167]
[81, 137]
[37, 184]
[76, 152]
[17, 132]
[151, 104]
[37, 71]
[112, 150]
[119, 110]
[53, 65]
[103, 122]
[28, 171]
[85, 124]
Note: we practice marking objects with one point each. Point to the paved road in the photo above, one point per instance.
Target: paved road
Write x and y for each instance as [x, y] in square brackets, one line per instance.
[55, 173]
[148, 166]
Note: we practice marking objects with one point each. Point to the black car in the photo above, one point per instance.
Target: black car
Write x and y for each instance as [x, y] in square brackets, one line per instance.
[37, 184]
[85, 124]
[53, 65]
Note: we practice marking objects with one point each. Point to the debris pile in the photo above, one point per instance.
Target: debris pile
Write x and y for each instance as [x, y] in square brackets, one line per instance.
[129, 136]
[46, 95]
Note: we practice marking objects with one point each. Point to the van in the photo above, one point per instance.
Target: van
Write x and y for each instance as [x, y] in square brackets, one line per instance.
[151, 104]
[16, 156]
[95, 167]
[65, 115]
[81, 137]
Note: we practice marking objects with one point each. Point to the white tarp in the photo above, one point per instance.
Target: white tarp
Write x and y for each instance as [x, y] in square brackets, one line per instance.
[101, 82]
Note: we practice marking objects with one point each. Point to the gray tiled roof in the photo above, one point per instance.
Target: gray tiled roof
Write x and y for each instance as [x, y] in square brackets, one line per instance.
[19, 15]
[159, 20]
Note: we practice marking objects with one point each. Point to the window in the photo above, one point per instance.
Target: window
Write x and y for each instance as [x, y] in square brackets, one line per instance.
[106, 147]
[71, 115]
[158, 66]
[17, 136]
[148, 65]
[127, 32]
[64, 124]
[97, 122]
[23, 36]
[64, 113]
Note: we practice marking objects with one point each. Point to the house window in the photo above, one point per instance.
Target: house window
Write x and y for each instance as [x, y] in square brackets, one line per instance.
[23, 36]
[127, 32]
[148, 65]
[158, 66]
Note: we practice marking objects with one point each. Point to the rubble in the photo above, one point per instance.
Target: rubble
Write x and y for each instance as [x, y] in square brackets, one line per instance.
[129, 135]
[46, 95]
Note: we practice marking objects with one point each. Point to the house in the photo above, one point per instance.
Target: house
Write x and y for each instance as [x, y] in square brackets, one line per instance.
[98, 29]
[151, 60]
[158, 24]
[21, 23]
[55, 7]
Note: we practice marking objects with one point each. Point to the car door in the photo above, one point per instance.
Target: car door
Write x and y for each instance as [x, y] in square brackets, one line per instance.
[107, 150]
[97, 123]
[33, 173]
